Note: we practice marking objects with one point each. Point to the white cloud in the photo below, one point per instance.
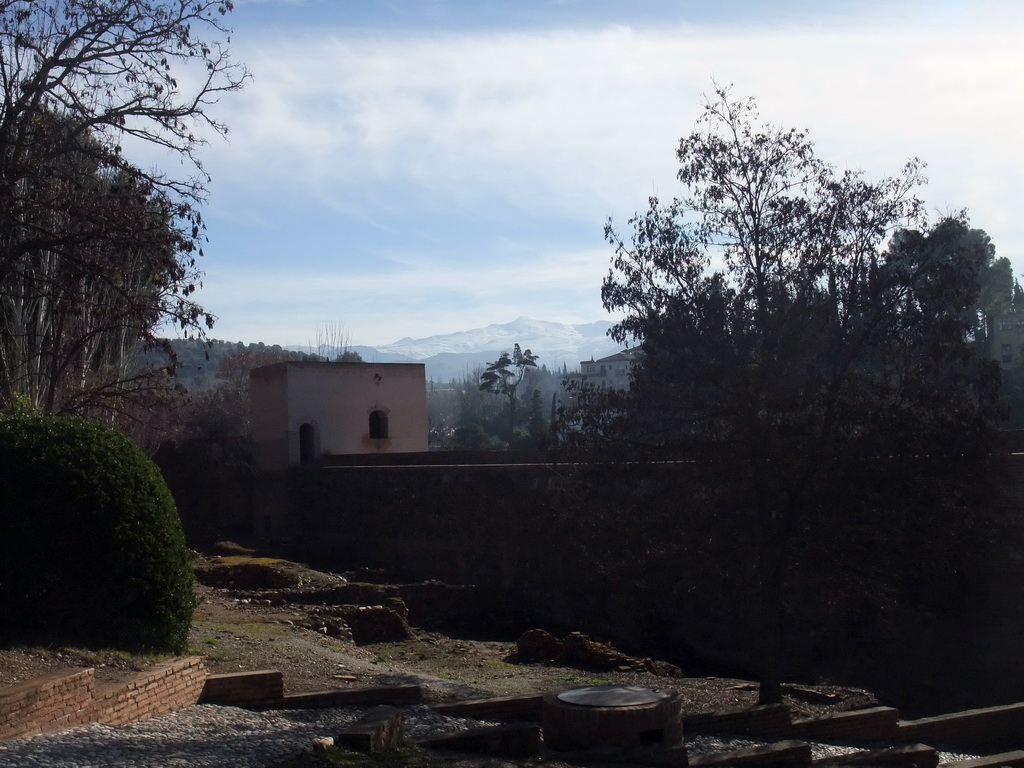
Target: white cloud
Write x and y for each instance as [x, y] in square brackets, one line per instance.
[408, 141]
[583, 121]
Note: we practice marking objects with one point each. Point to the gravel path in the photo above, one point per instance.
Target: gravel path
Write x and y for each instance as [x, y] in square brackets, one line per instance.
[213, 736]
[202, 736]
[709, 745]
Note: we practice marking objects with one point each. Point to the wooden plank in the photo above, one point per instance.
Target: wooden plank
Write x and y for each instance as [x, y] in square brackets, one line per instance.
[527, 707]
[354, 697]
[916, 755]
[871, 724]
[517, 739]
[764, 719]
[779, 753]
[1013, 759]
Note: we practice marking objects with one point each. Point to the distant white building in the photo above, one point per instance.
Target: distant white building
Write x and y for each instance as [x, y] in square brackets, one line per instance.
[301, 411]
[612, 372]
[1006, 339]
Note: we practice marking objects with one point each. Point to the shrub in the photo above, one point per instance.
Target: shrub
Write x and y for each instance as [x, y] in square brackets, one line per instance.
[91, 547]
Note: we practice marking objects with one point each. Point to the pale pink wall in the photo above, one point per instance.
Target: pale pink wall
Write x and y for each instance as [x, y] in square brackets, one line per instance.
[268, 425]
[338, 398]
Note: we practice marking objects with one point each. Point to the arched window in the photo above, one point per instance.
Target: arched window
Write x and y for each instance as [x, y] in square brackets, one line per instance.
[378, 425]
[307, 443]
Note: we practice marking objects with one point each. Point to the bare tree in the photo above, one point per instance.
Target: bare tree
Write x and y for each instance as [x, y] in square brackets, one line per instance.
[112, 69]
[95, 252]
[332, 343]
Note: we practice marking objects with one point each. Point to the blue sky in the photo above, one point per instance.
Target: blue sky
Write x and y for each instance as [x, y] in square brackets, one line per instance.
[414, 167]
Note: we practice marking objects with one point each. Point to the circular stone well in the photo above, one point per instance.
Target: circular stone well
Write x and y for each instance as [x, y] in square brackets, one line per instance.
[602, 717]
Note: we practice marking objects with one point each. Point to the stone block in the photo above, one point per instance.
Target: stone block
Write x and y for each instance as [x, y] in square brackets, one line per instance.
[381, 729]
[242, 689]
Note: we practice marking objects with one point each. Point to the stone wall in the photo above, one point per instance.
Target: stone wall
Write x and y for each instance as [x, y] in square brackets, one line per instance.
[498, 525]
[923, 605]
[63, 700]
[479, 521]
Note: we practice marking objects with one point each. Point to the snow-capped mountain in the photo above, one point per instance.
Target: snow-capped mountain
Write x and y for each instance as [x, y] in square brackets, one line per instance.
[454, 355]
[543, 337]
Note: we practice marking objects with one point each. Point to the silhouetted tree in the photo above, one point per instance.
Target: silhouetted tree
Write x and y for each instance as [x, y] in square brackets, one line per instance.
[790, 316]
[503, 377]
[538, 426]
[998, 290]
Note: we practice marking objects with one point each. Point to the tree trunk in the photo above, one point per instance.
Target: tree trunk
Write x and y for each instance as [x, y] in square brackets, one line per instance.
[777, 524]
[511, 417]
[770, 679]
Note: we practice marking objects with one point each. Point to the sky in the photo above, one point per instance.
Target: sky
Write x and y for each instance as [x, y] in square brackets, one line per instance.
[405, 168]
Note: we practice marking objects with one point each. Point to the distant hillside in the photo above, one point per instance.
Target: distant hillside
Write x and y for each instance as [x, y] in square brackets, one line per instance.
[455, 355]
[446, 357]
[198, 361]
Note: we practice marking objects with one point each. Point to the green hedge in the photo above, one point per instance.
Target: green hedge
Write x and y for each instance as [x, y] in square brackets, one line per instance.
[91, 547]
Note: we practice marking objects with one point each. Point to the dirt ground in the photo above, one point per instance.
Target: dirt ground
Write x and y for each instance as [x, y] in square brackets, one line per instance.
[235, 633]
[236, 636]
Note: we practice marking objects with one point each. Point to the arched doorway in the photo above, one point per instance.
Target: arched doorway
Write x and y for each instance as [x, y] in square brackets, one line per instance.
[378, 425]
[308, 442]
